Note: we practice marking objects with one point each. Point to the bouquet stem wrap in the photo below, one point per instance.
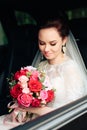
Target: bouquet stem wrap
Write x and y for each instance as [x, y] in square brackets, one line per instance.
[17, 116]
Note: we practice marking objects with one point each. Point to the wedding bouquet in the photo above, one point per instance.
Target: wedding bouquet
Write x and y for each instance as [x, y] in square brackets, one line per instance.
[30, 87]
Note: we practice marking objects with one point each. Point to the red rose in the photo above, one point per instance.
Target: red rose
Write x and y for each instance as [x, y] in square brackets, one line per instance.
[35, 102]
[24, 99]
[17, 75]
[50, 95]
[15, 90]
[35, 85]
[23, 72]
[20, 73]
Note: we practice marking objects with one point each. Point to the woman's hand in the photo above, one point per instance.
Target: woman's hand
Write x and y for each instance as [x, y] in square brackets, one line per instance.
[38, 110]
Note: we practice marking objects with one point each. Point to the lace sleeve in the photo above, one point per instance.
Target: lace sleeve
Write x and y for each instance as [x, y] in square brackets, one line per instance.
[41, 65]
[74, 82]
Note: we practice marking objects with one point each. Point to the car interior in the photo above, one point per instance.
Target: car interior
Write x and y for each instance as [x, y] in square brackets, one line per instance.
[18, 41]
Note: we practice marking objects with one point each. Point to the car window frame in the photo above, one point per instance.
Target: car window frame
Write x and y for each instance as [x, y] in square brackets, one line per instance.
[57, 118]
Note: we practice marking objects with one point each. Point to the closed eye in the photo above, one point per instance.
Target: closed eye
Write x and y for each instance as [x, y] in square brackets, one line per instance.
[41, 43]
[53, 44]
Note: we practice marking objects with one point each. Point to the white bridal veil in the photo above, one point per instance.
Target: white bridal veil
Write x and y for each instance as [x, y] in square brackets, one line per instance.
[72, 51]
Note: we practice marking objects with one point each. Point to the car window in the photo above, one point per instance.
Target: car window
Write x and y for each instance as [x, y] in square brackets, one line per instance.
[77, 13]
[3, 55]
[26, 34]
[24, 18]
[3, 38]
[78, 20]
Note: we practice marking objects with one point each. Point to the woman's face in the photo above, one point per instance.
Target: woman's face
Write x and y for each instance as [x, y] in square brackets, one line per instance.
[50, 43]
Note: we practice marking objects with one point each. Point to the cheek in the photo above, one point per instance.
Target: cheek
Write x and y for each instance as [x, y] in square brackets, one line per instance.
[57, 48]
[41, 48]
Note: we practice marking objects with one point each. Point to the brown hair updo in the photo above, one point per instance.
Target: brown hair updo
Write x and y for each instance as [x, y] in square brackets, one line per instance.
[60, 22]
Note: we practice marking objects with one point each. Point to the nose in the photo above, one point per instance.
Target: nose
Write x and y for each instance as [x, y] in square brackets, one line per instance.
[47, 48]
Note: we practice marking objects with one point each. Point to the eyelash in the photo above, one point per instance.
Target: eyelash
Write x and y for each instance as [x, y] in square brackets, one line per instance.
[44, 44]
[41, 43]
[53, 44]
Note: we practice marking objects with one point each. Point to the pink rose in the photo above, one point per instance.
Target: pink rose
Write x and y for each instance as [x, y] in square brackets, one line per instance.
[25, 99]
[34, 75]
[25, 90]
[43, 94]
[47, 83]
[23, 85]
[23, 79]
[29, 68]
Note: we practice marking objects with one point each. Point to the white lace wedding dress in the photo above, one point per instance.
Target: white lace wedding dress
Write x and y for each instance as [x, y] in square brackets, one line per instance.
[66, 79]
[8, 125]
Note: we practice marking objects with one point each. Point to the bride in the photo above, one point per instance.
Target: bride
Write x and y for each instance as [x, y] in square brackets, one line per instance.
[62, 62]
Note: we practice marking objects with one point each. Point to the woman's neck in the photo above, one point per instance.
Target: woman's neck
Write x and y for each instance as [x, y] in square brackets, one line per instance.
[58, 60]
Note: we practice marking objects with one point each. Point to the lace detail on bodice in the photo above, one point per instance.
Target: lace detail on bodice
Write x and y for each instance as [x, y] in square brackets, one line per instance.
[66, 79]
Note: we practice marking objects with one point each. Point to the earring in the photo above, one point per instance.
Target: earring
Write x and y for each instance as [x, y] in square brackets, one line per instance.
[42, 57]
[64, 48]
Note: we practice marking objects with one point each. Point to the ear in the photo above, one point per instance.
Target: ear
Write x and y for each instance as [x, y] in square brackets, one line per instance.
[65, 40]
